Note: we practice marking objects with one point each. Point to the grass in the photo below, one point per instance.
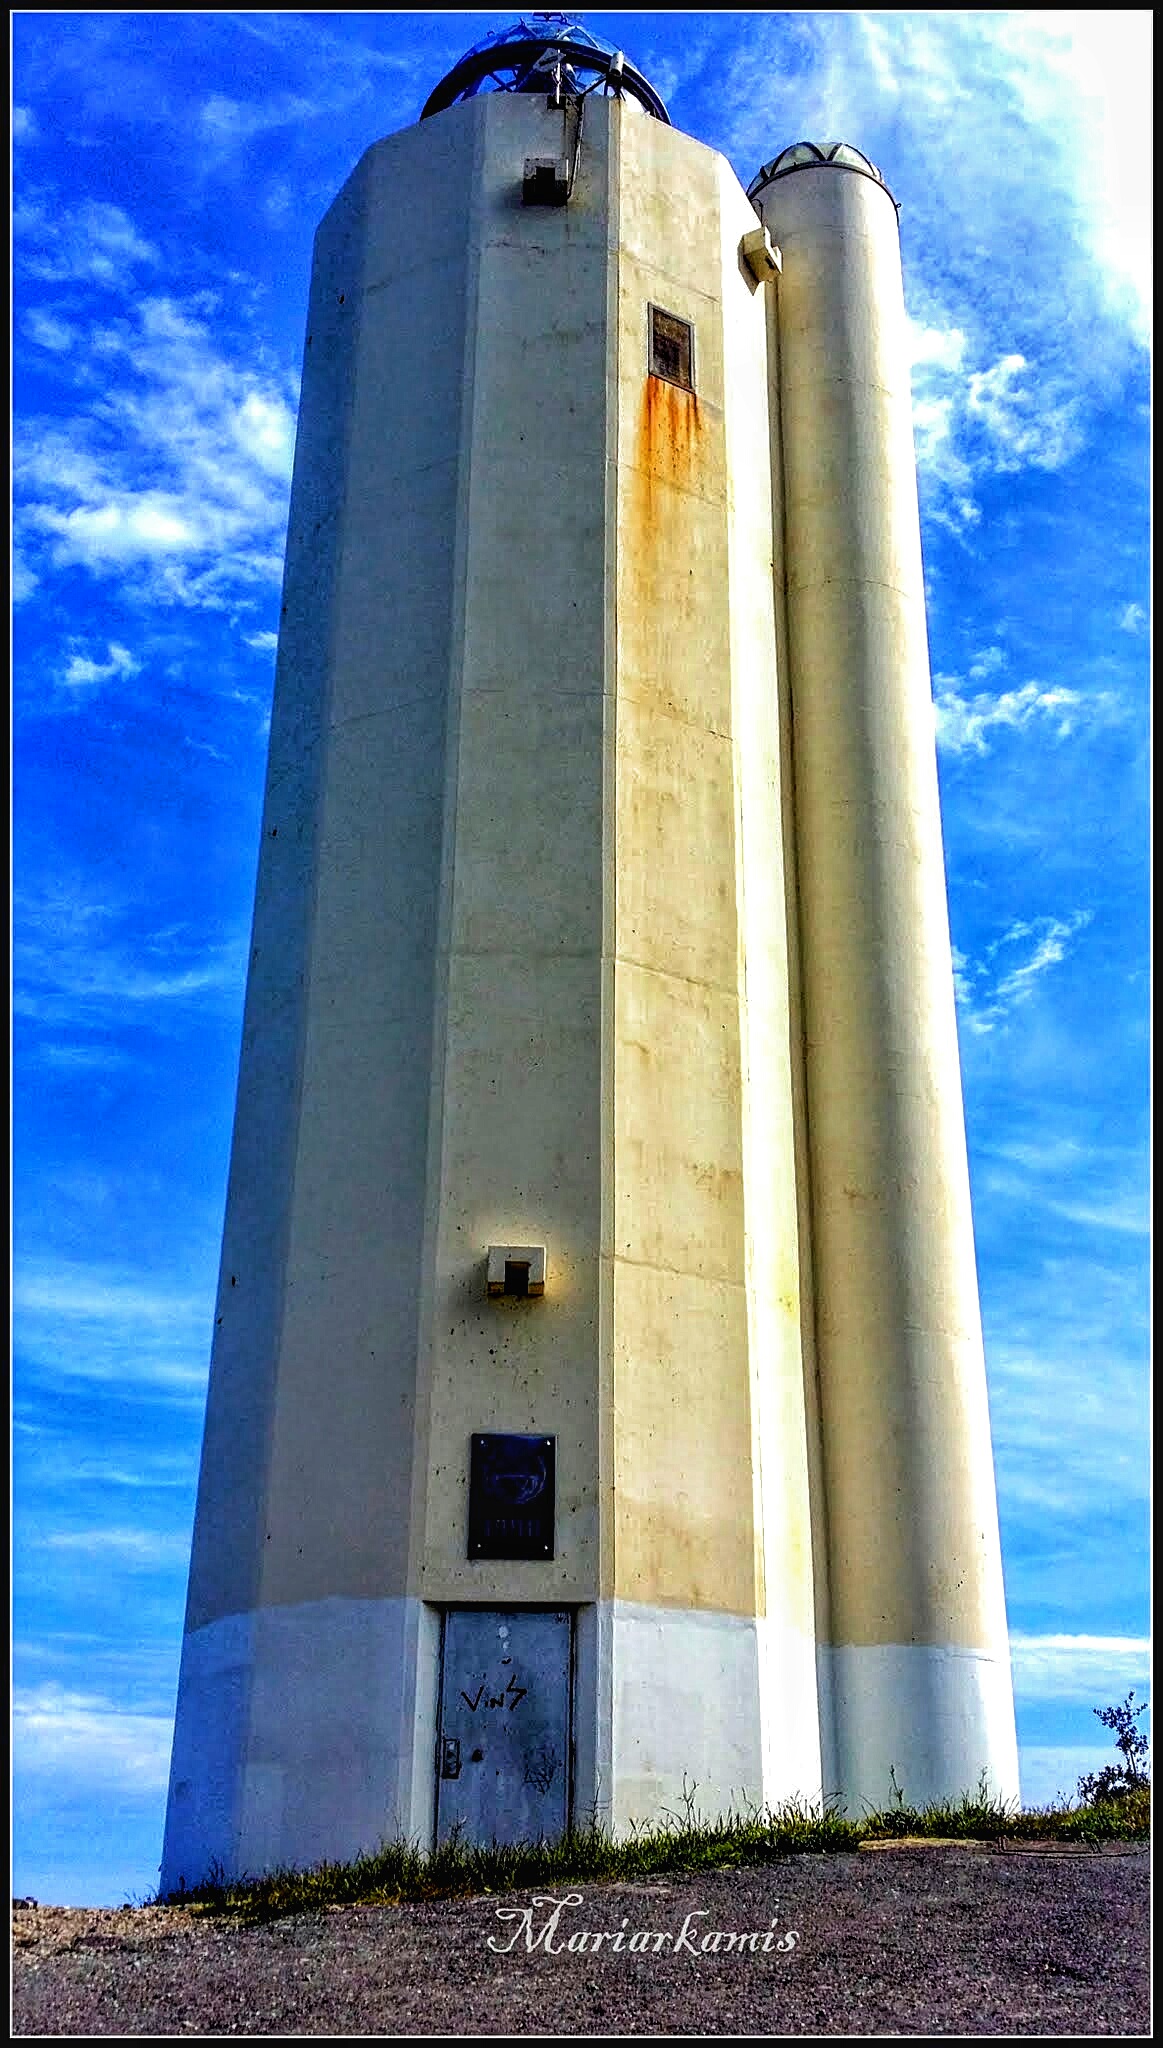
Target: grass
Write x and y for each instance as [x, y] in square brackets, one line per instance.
[400, 1873]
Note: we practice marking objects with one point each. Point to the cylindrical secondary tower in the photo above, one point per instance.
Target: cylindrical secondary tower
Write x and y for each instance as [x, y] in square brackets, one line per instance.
[916, 1659]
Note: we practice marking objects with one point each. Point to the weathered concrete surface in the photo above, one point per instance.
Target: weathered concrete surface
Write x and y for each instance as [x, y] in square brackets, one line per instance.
[601, 725]
[519, 976]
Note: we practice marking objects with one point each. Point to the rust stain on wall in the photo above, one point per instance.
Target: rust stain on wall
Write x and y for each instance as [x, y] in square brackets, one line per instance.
[668, 451]
[670, 434]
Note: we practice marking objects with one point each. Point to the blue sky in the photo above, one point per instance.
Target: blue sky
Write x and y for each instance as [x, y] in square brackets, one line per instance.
[169, 173]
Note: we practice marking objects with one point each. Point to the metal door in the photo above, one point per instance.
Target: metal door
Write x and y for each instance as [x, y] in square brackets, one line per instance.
[502, 1753]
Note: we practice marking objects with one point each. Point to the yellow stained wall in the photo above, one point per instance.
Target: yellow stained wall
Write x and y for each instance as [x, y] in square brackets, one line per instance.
[710, 1488]
[614, 1054]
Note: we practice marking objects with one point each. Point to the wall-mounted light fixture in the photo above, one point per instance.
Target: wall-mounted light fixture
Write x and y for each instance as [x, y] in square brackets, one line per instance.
[516, 1269]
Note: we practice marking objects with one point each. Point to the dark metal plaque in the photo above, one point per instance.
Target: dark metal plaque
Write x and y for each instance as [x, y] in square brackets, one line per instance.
[511, 1495]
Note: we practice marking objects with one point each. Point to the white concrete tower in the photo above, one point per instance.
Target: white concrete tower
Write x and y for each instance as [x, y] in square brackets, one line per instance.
[915, 1653]
[522, 1494]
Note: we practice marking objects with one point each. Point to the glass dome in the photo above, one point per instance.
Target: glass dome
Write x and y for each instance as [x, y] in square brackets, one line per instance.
[803, 155]
[550, 53]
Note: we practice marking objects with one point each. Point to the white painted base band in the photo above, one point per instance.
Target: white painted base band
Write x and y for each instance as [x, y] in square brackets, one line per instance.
[309, 1733]
[937, 1718]
[302, 1734]
[721, 1706]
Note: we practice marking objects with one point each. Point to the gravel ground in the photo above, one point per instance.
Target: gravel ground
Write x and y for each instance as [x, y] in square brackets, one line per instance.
[956, 1941]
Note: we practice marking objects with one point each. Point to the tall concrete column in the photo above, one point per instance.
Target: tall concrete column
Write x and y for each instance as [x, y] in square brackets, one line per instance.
[917, 1660]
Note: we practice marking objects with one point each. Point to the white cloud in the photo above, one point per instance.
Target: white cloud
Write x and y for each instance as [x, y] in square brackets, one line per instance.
[265, 643]
[1050, 1771]
[1068, 1442]
[99, 1293]
[1133, 619]
[995, 101]
[174, 476]
[1050, 937]
[101, 1058]
[51, 1454]
[1100, 1187]
[1129, 1215]
[1092, 1670]
[224, 120]
[101, 536]
[965, 724]
[24, 579]
[1084, 77]
[24, 128]
[990, 988]
[941, 347]
[82, 1737]
[91, 1322]
[81, 964]
[1019, 148]
[1025, 425]
[51, 332]
[986, 663]
[970, 423]
[82, 671]
[94, 243]
[137, 1549]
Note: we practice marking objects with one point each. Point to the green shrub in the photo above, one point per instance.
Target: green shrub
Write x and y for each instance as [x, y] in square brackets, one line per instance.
[1117, 1783]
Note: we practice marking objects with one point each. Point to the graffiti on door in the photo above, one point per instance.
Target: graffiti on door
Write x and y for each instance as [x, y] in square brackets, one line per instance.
[509, 1698]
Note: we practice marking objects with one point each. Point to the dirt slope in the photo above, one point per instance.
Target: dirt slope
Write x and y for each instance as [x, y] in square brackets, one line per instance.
[907, 1941]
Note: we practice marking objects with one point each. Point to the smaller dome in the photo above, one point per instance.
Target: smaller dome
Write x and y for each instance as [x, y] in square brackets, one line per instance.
[801, 156]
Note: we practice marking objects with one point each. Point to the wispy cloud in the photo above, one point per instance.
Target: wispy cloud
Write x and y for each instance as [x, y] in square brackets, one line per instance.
[82, 672]
[94, 243]
[24, 578]
[1089, 1669]
[990, 988]
[1079, 75]
[51, 1455]
[967, 724]
[1020, 426]
[132, 1549]
[974, 422]
[1024, 185]
[80, 962]
[1100, 1187]
[73, 1321]
[81, 1737]
[1127, 1214]
[224, 120]
[50, 331]
[1069, 1439]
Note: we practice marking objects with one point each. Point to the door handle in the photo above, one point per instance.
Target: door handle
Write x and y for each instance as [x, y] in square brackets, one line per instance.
[449, 1757]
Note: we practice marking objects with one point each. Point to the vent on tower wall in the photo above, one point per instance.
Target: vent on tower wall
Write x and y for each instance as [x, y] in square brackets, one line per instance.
[672, 348]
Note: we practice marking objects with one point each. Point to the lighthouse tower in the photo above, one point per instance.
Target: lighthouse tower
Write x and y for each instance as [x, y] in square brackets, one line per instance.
[597, 1401]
